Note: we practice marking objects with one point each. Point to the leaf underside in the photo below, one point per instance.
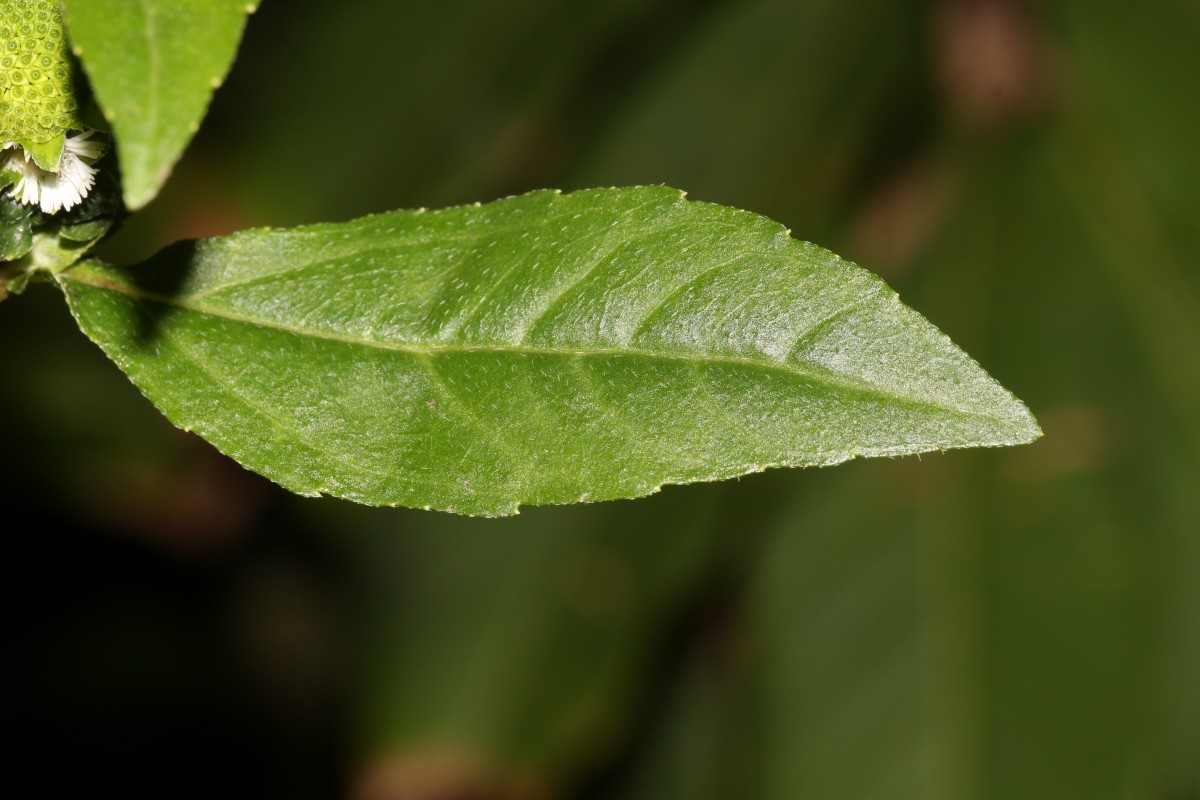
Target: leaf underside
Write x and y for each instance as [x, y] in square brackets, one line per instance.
[153, 66]
[546, 348]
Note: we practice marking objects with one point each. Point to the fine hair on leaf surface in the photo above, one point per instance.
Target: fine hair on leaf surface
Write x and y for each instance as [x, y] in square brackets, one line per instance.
[546, 348]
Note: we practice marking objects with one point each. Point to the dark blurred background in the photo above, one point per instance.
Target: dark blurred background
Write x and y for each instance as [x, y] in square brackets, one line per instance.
[1020, 623]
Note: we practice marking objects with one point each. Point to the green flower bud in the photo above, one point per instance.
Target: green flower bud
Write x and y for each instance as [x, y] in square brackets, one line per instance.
[38, 109]
[37, 98]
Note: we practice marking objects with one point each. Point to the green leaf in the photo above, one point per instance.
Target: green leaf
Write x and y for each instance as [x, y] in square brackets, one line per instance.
[16, 229]
[153, 66]
[541, 349]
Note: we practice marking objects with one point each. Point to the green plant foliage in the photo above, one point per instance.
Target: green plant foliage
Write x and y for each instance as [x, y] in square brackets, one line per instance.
[542, 349]
[153, 66]
[31, 240]
[16, 229]
[582, 589]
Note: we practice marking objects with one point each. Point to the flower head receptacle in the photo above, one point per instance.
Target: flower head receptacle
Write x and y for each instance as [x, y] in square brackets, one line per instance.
[45, 150]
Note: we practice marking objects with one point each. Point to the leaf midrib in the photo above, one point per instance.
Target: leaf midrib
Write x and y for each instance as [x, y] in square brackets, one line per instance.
[154, 70]
[81, 274]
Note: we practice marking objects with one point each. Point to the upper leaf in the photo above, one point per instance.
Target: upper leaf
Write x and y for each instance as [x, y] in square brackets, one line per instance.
[540, 349]
[153, 66]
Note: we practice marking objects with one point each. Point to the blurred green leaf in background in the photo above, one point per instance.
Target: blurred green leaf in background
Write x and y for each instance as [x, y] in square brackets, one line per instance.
[1016, 624]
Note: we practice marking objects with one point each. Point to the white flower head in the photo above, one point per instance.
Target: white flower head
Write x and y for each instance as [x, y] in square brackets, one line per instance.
[55, 191]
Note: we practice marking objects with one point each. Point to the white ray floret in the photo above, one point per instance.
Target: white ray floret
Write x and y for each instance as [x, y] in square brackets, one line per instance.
[55, 191]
